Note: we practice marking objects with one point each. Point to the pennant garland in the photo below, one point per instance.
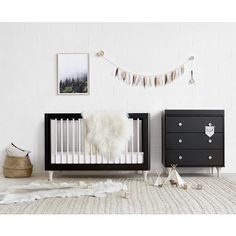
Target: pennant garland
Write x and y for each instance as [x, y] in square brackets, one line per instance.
[150, 80]
[158, 80]
[145, 80]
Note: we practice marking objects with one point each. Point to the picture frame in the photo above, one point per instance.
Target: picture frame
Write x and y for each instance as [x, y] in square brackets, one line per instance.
[73, 74]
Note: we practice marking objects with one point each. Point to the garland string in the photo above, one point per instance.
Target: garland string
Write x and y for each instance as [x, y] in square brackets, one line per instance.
[144, 80]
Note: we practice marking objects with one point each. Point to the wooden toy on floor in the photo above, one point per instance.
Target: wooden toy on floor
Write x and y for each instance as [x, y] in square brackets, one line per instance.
[175, 180]
[199, 187]
[125, 193]
[186, 186]
[173, 183]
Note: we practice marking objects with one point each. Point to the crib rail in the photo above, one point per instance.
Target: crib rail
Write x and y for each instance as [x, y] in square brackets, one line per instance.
[66, 146]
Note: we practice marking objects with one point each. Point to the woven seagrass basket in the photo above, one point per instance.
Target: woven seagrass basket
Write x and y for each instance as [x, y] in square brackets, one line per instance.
[17, 167]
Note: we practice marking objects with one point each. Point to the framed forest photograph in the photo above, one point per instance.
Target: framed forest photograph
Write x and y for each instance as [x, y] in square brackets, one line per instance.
[73, 73]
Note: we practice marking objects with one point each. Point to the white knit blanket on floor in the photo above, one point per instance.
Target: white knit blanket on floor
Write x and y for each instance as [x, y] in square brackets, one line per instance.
[36, 191]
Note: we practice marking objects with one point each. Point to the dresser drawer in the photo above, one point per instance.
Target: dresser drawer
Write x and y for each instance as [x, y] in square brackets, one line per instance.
[195, 157]
[194, 141]
[193, 124]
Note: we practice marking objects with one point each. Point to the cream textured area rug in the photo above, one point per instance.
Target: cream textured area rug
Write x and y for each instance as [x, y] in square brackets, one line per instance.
[218, 196]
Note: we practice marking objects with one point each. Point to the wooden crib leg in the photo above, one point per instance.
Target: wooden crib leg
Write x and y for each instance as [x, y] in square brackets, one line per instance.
[50, 175]
[145, 175]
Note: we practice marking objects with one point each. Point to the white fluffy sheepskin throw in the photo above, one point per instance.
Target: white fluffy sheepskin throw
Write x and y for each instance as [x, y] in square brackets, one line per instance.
[108, 132]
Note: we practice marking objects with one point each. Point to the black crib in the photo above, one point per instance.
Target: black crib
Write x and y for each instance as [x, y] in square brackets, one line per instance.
[65, 148]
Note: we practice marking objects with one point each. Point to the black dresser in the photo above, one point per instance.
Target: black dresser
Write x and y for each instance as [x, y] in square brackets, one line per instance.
[193, 138]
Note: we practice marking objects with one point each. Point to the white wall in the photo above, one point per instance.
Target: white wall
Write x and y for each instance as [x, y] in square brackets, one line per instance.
[28, 76]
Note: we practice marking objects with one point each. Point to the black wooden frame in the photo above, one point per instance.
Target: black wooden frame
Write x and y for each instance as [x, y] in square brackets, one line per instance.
[145, 117]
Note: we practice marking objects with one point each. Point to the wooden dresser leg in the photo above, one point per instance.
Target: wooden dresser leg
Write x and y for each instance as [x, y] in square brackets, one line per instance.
[218, 171]
[145, 175]
[212, 170]
[50, 175]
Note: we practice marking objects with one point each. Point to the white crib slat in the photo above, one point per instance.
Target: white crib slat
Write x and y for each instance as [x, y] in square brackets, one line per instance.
[122, 158]
[126, 152]
[127, 149]
[140, 157]
[104, 159]
[61, 140]
[96, 155]
[55, 130]
[58, 156]
[52, 126]
[76, 125]
[82, 155]
[137, 135]
[117, 159]
[67, 140]
[79, 140]
[84, 140]
[91, 153]
[73, 140]
[132, 139]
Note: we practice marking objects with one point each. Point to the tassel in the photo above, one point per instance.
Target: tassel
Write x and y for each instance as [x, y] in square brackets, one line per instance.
[134, 79]
[169, 78]
[127, 78]
[178, 73]
[123, 75]
[150, 81]
[157, 81]
[172, 76]
[145, 81]
[166, 79]
[138, 80]
[162, 80]
[117, 71]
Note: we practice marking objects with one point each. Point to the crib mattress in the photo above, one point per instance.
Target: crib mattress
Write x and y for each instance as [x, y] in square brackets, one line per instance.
[87, 158]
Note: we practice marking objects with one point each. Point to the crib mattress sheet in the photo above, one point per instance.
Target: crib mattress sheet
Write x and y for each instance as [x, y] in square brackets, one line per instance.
[87, 158]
